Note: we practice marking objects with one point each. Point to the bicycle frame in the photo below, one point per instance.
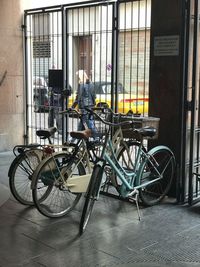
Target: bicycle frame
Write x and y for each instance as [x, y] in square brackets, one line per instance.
[79, 184]
[81, 153]
[130, 180]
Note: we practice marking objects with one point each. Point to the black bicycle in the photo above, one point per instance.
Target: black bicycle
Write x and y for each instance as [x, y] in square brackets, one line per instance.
[27, 158]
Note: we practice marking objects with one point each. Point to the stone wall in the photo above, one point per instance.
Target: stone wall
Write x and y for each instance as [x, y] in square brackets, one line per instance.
[11, 64]
[12, 94]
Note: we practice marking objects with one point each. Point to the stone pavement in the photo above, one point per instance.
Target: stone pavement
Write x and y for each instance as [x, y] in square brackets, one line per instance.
[167, 235]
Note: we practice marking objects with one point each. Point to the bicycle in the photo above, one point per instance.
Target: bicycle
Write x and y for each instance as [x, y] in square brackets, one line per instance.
[27, 158]
[149, 176]
[60, 180]
[52, 194]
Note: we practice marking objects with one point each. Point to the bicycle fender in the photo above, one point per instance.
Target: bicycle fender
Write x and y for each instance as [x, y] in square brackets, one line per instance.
[35, 173]
[150, 152]
[14, 162]
[38, 152]
[154, 149]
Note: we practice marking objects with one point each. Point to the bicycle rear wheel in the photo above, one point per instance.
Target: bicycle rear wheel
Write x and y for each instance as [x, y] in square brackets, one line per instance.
[126, 158]
[50, 194]
[91, 196]
[160, 167]
[20, 175]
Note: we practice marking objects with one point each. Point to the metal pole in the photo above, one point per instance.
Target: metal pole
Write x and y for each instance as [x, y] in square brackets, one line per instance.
[25, 78]
[193, 104]
[181, 180]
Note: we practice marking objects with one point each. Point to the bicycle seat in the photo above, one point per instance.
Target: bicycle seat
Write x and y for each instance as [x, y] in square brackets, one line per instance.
[146, 131]
[85, 134]
[46, 133]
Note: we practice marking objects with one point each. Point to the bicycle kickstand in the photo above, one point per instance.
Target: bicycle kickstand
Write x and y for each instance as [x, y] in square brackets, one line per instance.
[136, 198]
[137, 205]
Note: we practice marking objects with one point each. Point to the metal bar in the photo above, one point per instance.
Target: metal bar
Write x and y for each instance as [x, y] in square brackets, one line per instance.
[193, 114]
[115, 59]
[131, 57]
[65, 76]
[106, 52]
[196, 200]
[66, 67]
[42, 10]
[25, 79]
[89, 47]
[145, 56]
[71, 5]
[125, 1]
[94, 45]
[124, 47]
[138, 48]
[73, 52]
[181, 182]
[83, 42]
[197, 157]
[100, 40]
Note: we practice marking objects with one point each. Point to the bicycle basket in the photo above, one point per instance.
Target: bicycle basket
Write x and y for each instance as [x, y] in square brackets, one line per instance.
[137, 122]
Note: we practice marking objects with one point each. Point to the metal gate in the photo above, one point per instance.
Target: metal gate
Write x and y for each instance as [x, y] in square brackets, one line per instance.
[109, 41]
[191, 118]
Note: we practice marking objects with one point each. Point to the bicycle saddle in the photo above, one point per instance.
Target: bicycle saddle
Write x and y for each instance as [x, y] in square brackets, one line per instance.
[85, 134]
[146, 131]
[46, 133]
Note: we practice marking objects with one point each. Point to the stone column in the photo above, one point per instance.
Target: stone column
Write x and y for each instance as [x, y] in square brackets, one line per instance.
[11, 75]
[166, 83]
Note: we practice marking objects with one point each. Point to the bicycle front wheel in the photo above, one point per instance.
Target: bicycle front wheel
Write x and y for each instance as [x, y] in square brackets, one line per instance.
[91, 196]
[51, 195]
[20, 175]
[156, 175]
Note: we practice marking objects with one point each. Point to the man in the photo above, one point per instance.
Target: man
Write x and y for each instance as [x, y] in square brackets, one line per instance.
[56, 107]
[85, 98]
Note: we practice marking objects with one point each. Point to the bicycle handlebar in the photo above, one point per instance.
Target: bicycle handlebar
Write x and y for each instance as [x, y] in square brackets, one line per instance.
[73, 110]
[70, 110]
[106, 122]
[92, 112]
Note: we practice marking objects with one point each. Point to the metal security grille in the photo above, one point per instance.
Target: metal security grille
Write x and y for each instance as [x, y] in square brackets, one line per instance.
[109, 42]
[43, 51]
[191, 152]
[133, 55]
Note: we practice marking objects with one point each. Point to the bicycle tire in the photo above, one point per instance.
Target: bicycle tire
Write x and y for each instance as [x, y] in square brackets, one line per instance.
[154, 193]
[91, 196]
[50, 196]
[20, 175]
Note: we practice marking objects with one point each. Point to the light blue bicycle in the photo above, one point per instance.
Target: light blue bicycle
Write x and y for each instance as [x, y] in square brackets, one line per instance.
[145, 174]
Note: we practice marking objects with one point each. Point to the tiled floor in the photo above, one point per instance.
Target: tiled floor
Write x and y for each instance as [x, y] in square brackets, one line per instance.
[167, 235]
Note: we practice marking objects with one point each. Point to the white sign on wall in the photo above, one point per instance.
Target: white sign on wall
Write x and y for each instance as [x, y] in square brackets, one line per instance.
[166, 45]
